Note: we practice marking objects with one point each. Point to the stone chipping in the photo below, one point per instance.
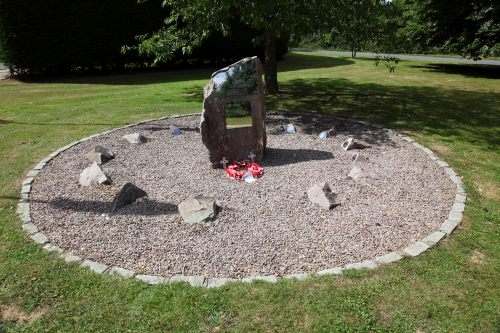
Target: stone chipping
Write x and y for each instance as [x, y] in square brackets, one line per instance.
[266, 228]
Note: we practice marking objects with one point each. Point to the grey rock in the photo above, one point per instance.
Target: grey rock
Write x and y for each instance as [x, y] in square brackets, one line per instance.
[39, 238]
[455, 215]
[331, 271]
[127, 195]
[30, 228]
[428, 151]
[70, 257]
[126, 273]
[297, 276]
[218, 282]
[357, 158]
[135, 138]
[416, 249]
[39, 166]
[100, 155]
[433, 238]
[322, 195]
[442, 164]
[23, 208]
[418, 145]
[93, 175]
[195, 281]
[350, 144]
[25, 197]
[458, 207]
[408, 139]
[150, 279]
[46, 159]
[54, 154]
[362, 175]
[198, 209]
[26, 218]
[52, 248]
[388, 258]
[448, 226]
[33, 173]
[461, 198]
[367, 264]
[94, 266]
[26, 189]
[266, 278]
[28, 181]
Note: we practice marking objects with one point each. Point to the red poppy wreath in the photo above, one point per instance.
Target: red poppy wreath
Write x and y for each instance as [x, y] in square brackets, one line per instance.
[237, 170]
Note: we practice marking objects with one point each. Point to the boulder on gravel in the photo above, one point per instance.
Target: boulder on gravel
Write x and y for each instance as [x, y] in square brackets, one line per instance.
[322, 195]
[135, 138]
[198, 209]
[350, 144]
[362, 175]
[93, 175]
[100, 155]
[357, 158]
[127, 195]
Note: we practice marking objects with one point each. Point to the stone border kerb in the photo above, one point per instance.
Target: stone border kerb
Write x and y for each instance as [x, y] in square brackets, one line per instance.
[413, 250]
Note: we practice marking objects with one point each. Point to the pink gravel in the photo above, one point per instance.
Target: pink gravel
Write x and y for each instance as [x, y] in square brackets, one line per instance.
[265, 227]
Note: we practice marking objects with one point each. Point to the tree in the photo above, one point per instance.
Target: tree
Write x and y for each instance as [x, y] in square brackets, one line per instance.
[359, 25]
[192, 21]
[470, 28]
[356, 23]
[54, 37]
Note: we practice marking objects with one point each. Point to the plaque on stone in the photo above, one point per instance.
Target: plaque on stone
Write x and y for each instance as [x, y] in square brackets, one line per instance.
[233, 123]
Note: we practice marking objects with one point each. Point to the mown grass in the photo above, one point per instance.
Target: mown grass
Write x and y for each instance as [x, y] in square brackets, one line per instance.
[455, 287]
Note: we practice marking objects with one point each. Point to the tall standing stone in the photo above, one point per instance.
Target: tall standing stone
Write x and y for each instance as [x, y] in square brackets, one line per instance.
[239, 84]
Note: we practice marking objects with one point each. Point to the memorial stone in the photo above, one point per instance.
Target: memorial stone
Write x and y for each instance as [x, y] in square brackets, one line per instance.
[233, 122]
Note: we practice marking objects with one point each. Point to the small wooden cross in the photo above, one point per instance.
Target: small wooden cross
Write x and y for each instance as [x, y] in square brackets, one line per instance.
[224, 162]
[251, 156]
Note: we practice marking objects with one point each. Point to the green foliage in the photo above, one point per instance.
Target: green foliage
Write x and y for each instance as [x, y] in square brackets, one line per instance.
[465, 27]
[358, 26]
[168, 49]
[56, 36]
[390, 62]
[191, 22]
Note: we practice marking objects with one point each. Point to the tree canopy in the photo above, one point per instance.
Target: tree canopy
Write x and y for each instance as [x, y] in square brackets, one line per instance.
[192, 21]
[467, 27]
[470, 28]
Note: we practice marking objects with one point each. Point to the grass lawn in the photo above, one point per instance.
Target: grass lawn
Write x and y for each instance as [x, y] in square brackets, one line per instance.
[454, 287]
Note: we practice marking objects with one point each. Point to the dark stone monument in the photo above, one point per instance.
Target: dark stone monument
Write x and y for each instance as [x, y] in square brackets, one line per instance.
[233, 123]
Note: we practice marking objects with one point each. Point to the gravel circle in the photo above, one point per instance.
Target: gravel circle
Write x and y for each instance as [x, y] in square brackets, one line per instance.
[265, 227]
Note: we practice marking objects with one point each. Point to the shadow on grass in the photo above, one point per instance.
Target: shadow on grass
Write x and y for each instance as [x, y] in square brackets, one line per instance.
[6, 122]
[292, 62]
[429, 110]
[145, 207]
[477, 71]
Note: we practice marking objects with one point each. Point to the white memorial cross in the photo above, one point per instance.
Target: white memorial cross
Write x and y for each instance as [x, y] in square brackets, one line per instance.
[251, 156]
[224, 162]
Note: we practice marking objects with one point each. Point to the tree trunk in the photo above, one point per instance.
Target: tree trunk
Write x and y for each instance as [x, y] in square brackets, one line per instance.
[270, 65]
